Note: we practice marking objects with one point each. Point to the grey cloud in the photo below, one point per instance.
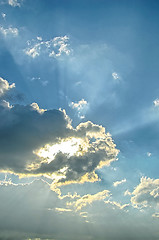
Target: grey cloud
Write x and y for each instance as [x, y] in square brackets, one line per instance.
[24, 129]
[146, 194]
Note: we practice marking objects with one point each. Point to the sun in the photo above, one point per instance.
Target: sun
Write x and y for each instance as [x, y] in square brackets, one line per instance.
[70, 146]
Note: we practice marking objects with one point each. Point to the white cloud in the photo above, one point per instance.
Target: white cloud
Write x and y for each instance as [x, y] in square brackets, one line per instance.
[115, 75]
[3, 15]
[127, 193]
[15, 3]
[81, 107]
[9, 31]
[88, 199]
[149, 154]
[6, 104]
[55, 47]
[115, 184]
[5, 86]
[36, 108]
[156, 102]
[117, 205]
[146, 194]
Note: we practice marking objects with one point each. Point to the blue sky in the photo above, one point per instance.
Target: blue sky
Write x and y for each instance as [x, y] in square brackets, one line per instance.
[79, 109]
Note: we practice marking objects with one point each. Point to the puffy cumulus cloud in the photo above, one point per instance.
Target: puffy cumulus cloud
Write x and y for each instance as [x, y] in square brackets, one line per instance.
[53, 48]
[81, 107]
[9, 31]
[146, 194]
[36, 108]
[35, 141]
[76, 157]
[117, 183]
[88, 199]
[5, 86]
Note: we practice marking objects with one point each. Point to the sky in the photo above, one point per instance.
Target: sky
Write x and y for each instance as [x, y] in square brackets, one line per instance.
[79, 120]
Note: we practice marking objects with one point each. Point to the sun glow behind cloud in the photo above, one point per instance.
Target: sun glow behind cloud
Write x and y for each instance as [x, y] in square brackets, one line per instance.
[70, 146]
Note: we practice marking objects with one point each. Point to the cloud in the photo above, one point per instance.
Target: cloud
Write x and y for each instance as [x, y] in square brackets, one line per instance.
[127, 193]
[55, 47]
[15, 3]
[149, 154]
[36, 141]
[5, 104]
[34, 211]
[146, 194]
[36, 108]
[115, 204]
[5, 86]
[88, 199]
[3, 15]
[155, 215]
[115, 184]
[115, 75]
[9, 31]
[156, 102]
[81, 107]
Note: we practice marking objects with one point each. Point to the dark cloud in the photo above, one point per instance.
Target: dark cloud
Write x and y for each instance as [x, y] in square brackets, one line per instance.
[26, 129]
[22, 130]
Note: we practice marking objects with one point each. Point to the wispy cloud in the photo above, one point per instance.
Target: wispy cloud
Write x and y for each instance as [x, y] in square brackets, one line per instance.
[117, 183]
[15, 3]
[9, 31]
[115, 204]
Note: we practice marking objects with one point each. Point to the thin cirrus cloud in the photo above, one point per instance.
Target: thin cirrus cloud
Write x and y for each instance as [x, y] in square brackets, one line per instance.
[54, 47]
[38, 132]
